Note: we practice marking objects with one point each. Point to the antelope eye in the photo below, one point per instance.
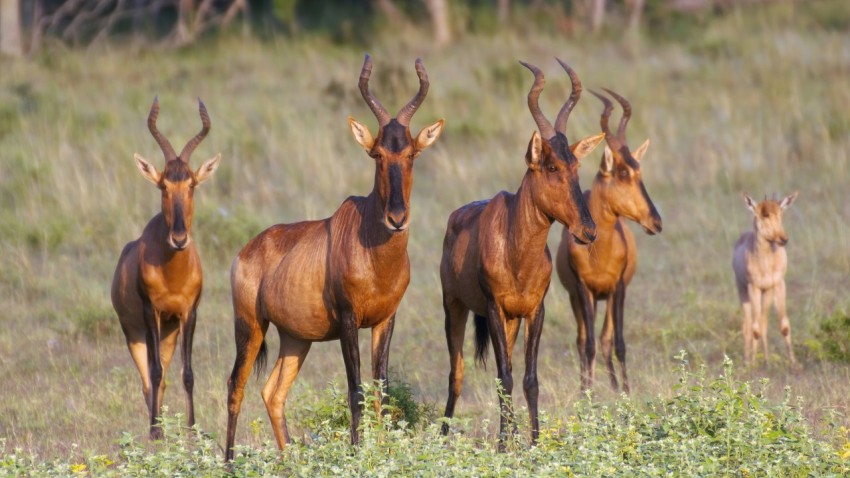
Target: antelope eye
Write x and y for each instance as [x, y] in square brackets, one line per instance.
[551, 168]
[377, 156]
[624, 173]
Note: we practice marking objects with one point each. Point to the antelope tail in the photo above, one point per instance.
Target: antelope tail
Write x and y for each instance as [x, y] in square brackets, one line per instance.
[482, 339]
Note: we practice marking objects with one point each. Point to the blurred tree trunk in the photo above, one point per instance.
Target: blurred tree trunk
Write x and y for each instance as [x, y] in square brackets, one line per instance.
[389, 10]
[635, 16]
[597, 15]
[440, 20]
[10, 28]
[504, 11]
[182, 33]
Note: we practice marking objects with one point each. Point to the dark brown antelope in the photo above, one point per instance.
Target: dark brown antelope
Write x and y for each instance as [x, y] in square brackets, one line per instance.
[157, 284]
[603, 270]
[759, 262]
[495, 259]
[323, 280]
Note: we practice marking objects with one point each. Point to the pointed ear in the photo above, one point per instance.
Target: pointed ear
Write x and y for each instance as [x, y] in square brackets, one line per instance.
[361, 134]
[535, 151]
[752, 204]
[428, 135]
[638, 153]
[788, 200]
[207, 169]
[607, 164]
[148, 170]
[585, 146]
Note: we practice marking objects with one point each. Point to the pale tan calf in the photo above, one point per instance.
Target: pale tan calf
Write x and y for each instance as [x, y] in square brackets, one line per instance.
[760, 263]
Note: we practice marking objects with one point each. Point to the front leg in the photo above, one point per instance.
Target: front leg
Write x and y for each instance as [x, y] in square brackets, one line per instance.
[187, 334]
[351, 357]
[619, 331]
[381, 336]
[584, 310]
[152, 324]
[497, 323]
[755, 318]
[533, 330]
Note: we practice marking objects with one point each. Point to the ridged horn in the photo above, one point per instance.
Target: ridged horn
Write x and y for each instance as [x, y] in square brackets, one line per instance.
[375, 105]
[612, 140]
[166, 147]
[575, 95]
[627, 114]
[406, 113]
[543, 124]
[205, 129]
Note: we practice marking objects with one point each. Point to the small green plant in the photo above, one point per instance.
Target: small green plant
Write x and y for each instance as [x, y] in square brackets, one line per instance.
[833, 338]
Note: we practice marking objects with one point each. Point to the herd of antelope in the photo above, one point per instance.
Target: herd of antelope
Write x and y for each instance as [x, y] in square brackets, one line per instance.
[323, 280]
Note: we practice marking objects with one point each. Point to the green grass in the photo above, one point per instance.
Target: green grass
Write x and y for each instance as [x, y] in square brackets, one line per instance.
[755, 101]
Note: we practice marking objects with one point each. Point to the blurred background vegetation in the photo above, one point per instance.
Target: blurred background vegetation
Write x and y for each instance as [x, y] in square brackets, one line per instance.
[736, 96]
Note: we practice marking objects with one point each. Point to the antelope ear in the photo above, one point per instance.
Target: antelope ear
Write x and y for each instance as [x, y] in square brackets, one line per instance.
[207, 169]
[361, 134]
[148, 170]
[638, 153]
[752, 205]
[535, 151]
[585, 146]
[607, 164]
[428, 135]
[788, 200]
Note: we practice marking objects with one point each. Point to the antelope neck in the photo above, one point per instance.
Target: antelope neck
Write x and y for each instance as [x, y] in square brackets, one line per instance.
[529, 226]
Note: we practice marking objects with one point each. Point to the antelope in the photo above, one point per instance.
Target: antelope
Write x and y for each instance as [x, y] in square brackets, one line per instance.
[759, 262]
[323, 280]
[157, 284]
[604, 269]
[496, 262]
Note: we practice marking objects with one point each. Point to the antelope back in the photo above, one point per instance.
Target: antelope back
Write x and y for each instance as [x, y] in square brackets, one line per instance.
[177, 181]
[394, 149]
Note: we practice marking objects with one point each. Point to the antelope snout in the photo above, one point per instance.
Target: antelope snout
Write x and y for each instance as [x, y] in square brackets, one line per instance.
[585, 234]
[652, 226]
[782, 240]
[179, 241]
[396, 221]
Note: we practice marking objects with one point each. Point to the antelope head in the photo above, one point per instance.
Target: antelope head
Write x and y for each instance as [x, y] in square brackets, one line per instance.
[394, 149]
[619, 173]
[767, 219]
[177, 181]
[553, 163]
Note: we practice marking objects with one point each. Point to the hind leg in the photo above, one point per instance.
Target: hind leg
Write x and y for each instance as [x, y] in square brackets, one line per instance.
[755, 318]
[767, 300]
[606, 340]
[619, 332]
[286, 368]
[584, 310]
[456, 317]
[249, 341]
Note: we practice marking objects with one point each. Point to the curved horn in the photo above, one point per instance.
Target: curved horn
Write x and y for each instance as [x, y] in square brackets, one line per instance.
[405, 114]
[543, 124]
[561, 120]
[375, 105]
[627, 114]
[612, 140]
[194, 142]
[167, 150]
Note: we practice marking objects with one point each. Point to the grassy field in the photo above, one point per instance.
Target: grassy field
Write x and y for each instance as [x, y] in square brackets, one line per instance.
[757, 102]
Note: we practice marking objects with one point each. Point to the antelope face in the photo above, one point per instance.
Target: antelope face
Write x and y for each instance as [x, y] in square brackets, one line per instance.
[555, 185]
[177, 183]
[768, 218]
[621, 180]
[394, 151]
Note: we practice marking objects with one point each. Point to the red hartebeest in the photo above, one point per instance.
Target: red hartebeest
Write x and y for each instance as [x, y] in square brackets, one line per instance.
[604, 269]
[157, 284]
[495, 259]
[759, 262]
[323, 280]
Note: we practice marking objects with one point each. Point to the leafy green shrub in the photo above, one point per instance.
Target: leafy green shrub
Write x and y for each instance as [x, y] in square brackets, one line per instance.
[832, 340]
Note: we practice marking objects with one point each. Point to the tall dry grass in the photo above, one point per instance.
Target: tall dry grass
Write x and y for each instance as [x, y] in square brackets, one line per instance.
[754, 102]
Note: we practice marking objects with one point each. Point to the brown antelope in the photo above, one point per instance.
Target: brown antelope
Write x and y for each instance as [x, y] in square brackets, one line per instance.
[759, 262]
[157, 284]
[604, 269]
[323, 280]
[495, 259]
